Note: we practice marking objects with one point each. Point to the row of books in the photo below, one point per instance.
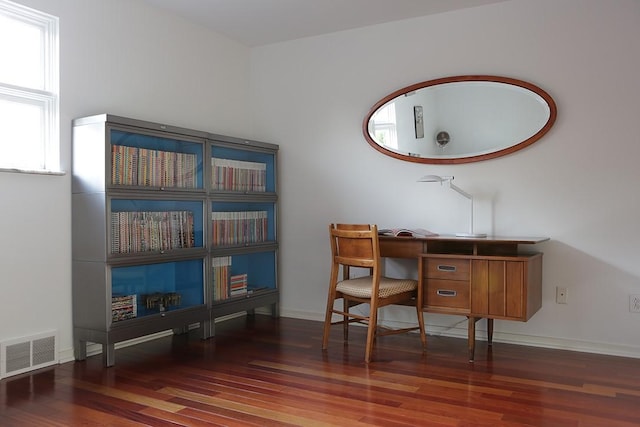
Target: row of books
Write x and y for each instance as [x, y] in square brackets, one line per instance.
[235, 228]
[238, 175]
[152, 168]
[161, 301]
[238, 284]
[123, 307]
[221, 267]
[133, 232]
[224, 285]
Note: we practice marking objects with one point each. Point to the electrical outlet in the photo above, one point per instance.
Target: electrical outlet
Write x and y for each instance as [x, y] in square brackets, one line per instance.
[634, 303]
[562, 295]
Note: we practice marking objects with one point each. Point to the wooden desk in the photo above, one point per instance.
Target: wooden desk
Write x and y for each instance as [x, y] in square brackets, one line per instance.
[474, 277]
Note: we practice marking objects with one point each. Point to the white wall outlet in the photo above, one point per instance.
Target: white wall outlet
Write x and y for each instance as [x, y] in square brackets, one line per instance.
[562, 295]
[634, 303]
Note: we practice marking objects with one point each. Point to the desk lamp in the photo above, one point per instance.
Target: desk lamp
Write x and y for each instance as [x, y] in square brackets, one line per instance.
[447, 180]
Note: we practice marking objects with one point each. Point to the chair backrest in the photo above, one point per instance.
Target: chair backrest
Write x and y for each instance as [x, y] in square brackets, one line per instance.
[355, 245]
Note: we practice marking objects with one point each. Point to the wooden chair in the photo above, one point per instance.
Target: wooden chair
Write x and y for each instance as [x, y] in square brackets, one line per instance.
[357, 245]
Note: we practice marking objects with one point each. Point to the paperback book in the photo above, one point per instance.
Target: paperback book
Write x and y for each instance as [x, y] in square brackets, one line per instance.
[407, 232]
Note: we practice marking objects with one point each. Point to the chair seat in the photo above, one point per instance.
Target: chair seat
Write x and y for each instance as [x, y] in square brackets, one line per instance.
[361, 287]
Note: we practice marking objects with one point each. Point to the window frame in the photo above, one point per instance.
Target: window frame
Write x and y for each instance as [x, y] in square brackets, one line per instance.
[48, 98]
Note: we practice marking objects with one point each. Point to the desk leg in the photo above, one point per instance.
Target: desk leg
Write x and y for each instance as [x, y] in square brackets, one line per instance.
[490, 331]
[472, 337]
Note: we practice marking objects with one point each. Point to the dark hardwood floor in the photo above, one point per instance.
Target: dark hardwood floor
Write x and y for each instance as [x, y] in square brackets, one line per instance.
[265, 372]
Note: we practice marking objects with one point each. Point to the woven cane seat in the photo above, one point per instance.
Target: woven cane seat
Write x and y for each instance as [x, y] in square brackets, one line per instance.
[361, 287]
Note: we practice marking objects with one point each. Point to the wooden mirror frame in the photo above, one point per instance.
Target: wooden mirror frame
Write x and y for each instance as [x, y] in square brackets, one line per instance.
[516, 146]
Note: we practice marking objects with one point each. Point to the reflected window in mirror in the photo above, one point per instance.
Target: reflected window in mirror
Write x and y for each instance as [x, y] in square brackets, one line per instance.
[383, 126]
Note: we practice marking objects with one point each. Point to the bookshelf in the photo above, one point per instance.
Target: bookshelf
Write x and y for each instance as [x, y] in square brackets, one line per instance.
[243, 228]
[172, 228]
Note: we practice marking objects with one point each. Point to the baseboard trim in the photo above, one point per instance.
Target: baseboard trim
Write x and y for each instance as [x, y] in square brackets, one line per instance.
[457, 331]
[94, 349]
[460, 331]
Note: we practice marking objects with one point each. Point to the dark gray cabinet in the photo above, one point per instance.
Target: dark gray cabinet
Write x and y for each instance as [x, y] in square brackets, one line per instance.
[172, 228]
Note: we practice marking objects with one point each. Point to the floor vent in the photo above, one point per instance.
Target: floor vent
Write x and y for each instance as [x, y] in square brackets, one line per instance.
[28, 353]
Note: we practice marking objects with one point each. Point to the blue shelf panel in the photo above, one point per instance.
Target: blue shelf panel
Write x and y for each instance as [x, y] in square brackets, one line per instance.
[194, 209]
[228, 228]
[268, 159]
[178, 175]
[259, 268]
[160, 287]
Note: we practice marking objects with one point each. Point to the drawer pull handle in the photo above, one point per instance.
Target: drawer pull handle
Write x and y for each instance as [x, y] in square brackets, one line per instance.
[450, 268]
[446, 293]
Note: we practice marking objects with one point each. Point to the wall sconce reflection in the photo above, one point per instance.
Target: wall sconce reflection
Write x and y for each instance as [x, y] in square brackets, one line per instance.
[442, 138]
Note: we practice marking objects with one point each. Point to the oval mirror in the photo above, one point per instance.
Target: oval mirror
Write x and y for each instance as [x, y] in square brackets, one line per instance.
[459, 119]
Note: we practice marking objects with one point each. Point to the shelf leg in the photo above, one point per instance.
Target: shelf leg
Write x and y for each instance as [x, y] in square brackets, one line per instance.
[80, 350]
[108, 354]
[207, 329]
[181, 331]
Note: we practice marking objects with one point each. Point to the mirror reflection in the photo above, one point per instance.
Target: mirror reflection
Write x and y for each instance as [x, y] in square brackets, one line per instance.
[459, 119]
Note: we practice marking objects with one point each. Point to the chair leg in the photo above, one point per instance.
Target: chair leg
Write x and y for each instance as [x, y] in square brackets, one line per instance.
[345, 319]
[327, 319]
[423, 334]
[371, 332]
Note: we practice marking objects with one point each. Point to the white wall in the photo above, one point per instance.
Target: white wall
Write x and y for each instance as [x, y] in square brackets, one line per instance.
[577, 185]
[124, 58]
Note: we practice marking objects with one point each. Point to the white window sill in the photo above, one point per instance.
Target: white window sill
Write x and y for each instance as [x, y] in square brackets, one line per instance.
[34, 172]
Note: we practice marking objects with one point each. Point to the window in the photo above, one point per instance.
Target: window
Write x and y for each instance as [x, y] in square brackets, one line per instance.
[29, 121]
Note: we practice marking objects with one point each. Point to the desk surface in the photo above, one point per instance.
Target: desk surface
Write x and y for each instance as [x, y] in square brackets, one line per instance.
[413, 247]
[488, 239]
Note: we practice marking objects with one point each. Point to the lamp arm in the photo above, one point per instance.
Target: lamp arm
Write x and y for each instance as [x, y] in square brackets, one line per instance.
[468, 196]
[446, 180]
[460, 191]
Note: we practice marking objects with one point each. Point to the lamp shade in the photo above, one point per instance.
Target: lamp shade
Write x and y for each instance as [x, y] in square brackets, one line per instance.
[435, 178]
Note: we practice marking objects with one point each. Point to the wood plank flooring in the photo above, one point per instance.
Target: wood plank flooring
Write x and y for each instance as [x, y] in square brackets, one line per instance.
[271, 372]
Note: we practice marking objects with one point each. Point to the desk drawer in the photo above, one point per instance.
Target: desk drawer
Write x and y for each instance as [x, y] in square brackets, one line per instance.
[401, 247]
[447, 268]
[447, 293]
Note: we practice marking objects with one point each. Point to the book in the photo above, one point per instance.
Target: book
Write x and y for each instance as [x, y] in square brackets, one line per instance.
[414, 232]
[123, 307]
[221, 273]
[238, 284]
